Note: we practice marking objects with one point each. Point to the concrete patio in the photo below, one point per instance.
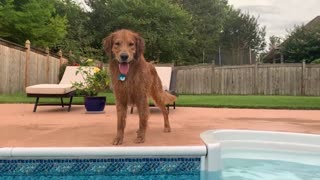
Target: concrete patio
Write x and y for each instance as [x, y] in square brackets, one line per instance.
[55, 127]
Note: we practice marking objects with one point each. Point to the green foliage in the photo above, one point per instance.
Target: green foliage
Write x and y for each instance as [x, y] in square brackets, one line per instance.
[179, 31]
[78, 38]
[302, 43]
[316, 61]
[35, 20]
[95, 80]
[242, 31]
[165, 26]
[208, 18]
[7, 13]
[274, 42]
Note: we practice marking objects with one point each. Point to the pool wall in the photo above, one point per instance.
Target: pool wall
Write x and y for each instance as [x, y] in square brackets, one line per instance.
[108, 162]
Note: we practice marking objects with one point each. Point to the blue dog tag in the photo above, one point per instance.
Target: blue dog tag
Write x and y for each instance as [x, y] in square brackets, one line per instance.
[122, 77]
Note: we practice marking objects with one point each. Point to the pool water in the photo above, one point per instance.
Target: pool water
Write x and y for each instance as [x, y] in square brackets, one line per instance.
[258, 164]
[257, 169]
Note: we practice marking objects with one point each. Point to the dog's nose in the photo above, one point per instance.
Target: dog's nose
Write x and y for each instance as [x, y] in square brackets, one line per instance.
[124, 56]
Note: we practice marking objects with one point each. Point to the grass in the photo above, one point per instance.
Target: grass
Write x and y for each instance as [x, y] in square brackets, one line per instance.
[22, 98]
[268, 102]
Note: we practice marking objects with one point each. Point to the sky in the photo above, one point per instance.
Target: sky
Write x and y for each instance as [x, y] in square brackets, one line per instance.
[279, 16]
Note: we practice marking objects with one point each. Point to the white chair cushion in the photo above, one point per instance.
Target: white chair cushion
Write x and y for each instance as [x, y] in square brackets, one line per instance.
[49, 89]
[65, 85]
[165, 76]
[70, 76]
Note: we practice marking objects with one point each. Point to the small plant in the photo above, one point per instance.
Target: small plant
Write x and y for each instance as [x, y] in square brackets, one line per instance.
[95, 80]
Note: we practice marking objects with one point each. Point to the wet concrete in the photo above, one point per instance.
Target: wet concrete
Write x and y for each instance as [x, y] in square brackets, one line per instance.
[55, 127]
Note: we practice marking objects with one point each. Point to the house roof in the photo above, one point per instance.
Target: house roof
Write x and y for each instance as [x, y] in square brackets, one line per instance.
[275, 51]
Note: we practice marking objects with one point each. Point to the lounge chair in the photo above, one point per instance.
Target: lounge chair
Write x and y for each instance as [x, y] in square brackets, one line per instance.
[168, 80]
[61, 90]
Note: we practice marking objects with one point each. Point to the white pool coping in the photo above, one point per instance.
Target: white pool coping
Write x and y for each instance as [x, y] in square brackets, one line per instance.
[265, 145]
[91, 152]
[250, 139]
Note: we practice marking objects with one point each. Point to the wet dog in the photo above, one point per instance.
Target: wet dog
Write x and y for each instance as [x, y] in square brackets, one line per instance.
[134, 80]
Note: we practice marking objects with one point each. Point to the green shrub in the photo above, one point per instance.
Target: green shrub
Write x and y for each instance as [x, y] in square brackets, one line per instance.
[316, 61]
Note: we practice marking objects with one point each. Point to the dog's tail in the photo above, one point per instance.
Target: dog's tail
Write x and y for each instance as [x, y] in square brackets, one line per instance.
[168, 98]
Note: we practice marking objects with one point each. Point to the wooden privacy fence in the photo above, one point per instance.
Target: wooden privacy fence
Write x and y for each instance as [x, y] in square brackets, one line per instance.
[259, 79]
[23, 66]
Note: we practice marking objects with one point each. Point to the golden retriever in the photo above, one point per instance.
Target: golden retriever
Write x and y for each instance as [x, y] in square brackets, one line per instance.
[134, 80]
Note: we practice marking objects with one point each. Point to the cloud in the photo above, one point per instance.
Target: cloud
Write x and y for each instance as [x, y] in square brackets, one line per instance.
[279, 16]
[260, 9]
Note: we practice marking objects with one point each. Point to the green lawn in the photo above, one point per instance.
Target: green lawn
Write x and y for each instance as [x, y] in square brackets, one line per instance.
[22, 98]
[270, 102]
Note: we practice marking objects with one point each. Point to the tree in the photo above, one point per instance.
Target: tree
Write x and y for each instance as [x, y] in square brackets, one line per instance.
[242, 31]
[241, 37]
[208, 17]
[78, 38]
[303, 43]
[274, 42]
[164, 25]
[35, 20]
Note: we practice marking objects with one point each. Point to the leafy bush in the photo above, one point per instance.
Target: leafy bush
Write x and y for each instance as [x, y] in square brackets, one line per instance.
[316, 61]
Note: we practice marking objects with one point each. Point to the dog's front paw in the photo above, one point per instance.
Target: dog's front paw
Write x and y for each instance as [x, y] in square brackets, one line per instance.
[117, 141]
[167, 129]
[139, 139]
[140, 136]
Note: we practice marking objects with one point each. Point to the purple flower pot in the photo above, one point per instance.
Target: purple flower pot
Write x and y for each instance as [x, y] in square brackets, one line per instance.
[95, 104]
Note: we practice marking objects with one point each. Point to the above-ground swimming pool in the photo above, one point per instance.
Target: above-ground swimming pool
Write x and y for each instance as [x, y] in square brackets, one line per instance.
[226, 155]
[259, 155]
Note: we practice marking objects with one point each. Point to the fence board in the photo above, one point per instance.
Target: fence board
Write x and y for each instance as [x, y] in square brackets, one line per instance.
[13, 62]
[263, 79]
[5, 66]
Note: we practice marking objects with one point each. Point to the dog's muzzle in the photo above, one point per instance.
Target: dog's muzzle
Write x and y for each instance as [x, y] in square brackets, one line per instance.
[124, 57]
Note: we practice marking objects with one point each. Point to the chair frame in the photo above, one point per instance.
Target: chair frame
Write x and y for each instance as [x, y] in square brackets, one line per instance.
[61, 96]
[70, 94]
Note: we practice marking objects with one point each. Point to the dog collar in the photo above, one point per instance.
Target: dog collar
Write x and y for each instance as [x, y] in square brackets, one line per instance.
[122, 77]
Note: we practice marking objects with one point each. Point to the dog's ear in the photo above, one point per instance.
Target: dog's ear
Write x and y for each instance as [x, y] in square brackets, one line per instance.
[107, 44]
[139, 46]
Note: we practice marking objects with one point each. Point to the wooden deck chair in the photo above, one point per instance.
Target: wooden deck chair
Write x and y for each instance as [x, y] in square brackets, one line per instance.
[168, 79]
[61, 90]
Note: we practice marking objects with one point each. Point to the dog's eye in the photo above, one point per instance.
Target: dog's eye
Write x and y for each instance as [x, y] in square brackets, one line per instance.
[131, 44]
[117, 43]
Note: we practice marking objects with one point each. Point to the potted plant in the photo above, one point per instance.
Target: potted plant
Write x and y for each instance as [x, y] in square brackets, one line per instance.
[95, 80]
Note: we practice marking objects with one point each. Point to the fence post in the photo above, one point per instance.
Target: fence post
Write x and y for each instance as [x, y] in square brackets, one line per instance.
[212, 77]
[255, 90]
[26, 75]
[303, 74]
[47, 64]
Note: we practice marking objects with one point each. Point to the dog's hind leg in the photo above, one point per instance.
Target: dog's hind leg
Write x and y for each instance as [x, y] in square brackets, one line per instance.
[160, 103]
[143, 110]
[122, 115]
